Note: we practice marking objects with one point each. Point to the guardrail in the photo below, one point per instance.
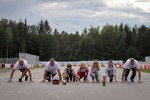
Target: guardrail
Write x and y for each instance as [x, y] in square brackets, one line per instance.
[142, 66]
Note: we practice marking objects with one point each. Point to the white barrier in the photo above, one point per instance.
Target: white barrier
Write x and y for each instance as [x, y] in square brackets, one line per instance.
[7, 66]
[119, 64]
[77, 63]
[145, 66]
[12, 65]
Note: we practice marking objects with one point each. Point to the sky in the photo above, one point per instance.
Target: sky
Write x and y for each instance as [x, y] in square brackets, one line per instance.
[76, 15]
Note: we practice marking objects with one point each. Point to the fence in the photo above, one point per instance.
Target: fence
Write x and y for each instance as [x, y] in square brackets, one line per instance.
[32, 59]
[8, 60]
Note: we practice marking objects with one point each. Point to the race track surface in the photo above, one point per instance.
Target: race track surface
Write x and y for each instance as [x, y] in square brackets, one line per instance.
[71, 91]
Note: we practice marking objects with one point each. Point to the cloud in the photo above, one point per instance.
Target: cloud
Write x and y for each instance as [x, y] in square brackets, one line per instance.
[73, 15]
[142, 0]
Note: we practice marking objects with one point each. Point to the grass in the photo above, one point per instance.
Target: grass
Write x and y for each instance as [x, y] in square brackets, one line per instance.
[145, 70]
[39, 67]
[142, 70]
[5, 69]
[32, 68]
[8, 69]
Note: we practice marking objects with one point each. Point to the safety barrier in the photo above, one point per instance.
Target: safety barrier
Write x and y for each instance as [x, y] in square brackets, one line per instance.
[142, 66]
[145, 66]
[6, 65]
[11, 65]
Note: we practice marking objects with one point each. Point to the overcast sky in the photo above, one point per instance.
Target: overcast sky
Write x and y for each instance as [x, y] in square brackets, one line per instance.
[73, 15]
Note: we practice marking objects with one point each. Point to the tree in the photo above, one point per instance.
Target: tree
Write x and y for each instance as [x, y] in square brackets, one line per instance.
[86, 48]
[140, 38]
[84, 32]
[41, 27]
[8, 33]
[129, 38]
[74, 44]
[121, 27]
[3, 38]
[47, 28]
[145, 43]
[21, 37]
[134, 35]
[113, 45]
[88, 44]
[44, 27]
[132, 52]
[111, 42]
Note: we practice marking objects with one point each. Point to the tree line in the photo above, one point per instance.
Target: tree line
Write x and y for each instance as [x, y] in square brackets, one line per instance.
[110, 42]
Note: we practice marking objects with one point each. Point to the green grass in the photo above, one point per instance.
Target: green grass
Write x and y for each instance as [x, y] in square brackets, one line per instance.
[8, 69]
[142, 70]
[39, 67]
[145, 70]
[32, 68]
[5, 70]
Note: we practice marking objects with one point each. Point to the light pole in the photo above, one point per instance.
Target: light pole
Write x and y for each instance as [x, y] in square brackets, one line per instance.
[7, 53]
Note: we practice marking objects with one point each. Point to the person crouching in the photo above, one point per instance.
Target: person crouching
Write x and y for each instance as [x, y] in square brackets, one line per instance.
[69, 74]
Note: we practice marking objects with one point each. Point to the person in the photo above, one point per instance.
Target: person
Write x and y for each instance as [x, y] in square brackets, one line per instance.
[82, 72]
[69, 73]
[131, 64]
[110, 71]
[95, 72]
[51, 69]
[23, 66]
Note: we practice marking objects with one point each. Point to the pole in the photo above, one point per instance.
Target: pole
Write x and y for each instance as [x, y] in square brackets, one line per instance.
[7, 52]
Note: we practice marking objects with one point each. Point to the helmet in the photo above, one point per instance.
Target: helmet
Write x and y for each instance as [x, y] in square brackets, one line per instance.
[56, 81]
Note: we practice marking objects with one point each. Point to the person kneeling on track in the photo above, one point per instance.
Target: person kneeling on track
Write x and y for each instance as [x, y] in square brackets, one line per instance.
[110, 71]
[51, 69]
[69, 74]
[95, 72]
[82, 73]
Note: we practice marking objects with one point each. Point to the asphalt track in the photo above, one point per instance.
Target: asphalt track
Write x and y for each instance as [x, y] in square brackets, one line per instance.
[71, 91]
